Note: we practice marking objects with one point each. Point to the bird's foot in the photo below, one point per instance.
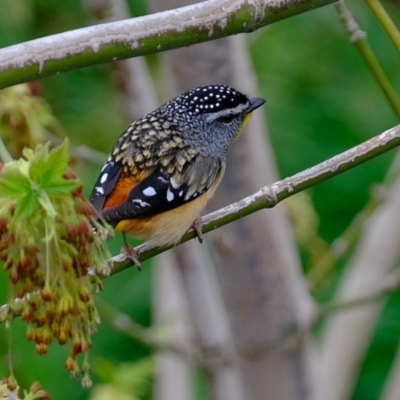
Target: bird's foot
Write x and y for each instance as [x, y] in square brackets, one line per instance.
[131, 253]
[196, 226]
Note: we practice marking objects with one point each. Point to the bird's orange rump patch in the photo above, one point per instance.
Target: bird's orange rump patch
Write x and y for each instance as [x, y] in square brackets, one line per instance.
[166, 227]
[122, 188]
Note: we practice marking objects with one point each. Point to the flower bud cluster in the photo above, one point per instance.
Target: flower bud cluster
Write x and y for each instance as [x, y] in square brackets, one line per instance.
[48, 246]
[9, 389]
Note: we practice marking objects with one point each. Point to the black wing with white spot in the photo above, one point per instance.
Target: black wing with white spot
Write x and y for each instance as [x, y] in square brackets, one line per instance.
[105, 183]
[161, 192]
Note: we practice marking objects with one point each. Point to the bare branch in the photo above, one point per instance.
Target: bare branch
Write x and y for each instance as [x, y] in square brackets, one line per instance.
[147, 336]
[359, 38]
[269, 196]
[133, 37]
[388, 285]
[88, 154]
[387, 23]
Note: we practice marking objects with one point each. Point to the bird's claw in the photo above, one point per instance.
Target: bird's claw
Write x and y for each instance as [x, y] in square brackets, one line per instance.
[196, 226]
[131, 253]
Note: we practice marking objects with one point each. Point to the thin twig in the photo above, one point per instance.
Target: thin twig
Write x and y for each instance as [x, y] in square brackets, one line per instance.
[320, 272]
[269, 196]
[88, 154]
[390, 284]
[124, 324]
[359, 38]
[82, 152]
[383, 17]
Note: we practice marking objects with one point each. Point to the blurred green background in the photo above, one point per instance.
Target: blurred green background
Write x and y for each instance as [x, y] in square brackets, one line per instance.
[321, 100]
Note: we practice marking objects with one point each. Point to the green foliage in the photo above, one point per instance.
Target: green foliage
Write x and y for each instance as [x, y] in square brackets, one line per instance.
[134, 380]
[33, 181]
[47, 245]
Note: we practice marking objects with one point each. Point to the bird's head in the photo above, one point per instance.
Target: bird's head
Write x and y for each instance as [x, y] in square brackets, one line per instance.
[212, 117]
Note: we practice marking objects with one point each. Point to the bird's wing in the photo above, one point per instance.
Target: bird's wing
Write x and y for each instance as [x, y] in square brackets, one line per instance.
[105, 184]
[158, 192]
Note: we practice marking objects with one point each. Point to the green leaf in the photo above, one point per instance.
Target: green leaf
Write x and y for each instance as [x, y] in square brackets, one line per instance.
[38, 163]
[133, 377]
[25, 208]
[58, 162]
[47, 168]
[28, 153]
[13, 183]
[62, 187]
[136, 377]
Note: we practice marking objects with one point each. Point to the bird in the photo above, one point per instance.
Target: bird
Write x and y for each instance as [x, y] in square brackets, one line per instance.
[167, 165]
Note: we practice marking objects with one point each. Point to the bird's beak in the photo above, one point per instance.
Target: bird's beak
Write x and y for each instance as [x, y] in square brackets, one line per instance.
[254, 103]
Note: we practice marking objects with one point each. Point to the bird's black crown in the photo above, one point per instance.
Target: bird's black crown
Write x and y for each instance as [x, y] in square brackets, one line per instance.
[208, 99]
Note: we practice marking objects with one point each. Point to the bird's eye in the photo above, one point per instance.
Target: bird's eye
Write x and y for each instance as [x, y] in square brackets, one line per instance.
[226, 119]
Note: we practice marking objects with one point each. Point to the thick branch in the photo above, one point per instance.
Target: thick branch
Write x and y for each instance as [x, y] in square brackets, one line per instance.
[138, 36]
[269, 196]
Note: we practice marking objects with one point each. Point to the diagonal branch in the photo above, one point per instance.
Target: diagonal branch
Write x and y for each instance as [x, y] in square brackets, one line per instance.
[387, 23]
[134, 37]
[388, 285]
[149, 337]
[266, 197]
[269, 196]
[359, 38]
